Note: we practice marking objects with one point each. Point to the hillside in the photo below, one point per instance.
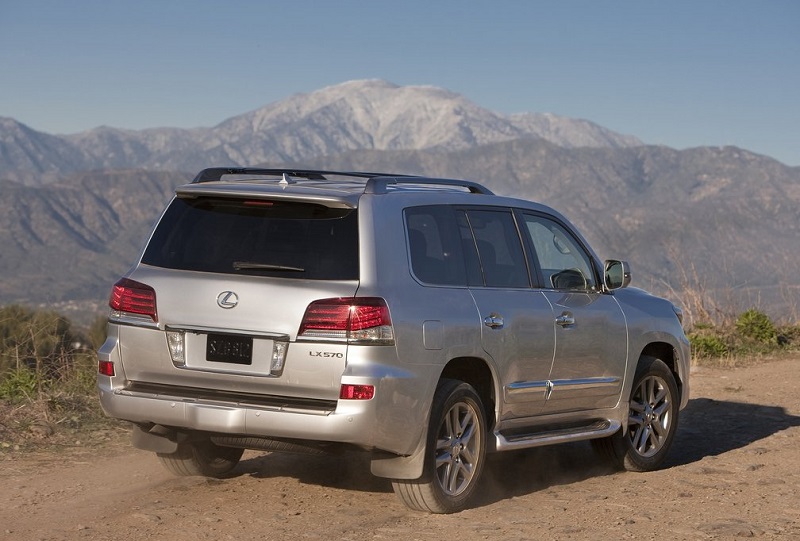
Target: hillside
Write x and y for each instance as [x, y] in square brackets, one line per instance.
[711, 225]
[720, 219]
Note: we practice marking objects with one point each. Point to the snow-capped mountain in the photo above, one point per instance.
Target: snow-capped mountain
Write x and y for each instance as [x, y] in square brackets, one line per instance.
[356, 115]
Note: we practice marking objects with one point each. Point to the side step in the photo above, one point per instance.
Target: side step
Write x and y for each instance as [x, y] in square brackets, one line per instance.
[598, 429]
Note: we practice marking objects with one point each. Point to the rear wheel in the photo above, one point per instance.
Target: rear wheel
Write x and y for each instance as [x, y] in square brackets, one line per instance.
[202, 458]
[455, 452]
[652, 419]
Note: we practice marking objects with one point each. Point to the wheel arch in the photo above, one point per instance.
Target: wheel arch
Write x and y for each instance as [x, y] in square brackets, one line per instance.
[479, 375]
[667, 353]
[472, 370]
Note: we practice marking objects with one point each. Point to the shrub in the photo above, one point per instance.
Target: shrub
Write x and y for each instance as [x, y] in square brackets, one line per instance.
[757, 326]
[19, 384]
[708, 346]
[36, 339]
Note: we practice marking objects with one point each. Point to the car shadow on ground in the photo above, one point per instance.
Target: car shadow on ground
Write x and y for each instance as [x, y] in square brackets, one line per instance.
[710, 427]
[706, 428]
[347, 471]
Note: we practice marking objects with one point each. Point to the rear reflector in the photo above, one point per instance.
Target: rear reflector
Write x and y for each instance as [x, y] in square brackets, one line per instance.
[357, 392]
[133, 298]
[106, 368]
[355, 319]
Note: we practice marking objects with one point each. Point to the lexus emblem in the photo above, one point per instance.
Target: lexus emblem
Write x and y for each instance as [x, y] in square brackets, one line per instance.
[227, 299]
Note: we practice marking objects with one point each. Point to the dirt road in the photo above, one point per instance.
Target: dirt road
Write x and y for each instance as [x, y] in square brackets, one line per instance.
[734, 471]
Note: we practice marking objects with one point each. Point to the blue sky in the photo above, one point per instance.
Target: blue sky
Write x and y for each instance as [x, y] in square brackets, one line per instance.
[678, 73]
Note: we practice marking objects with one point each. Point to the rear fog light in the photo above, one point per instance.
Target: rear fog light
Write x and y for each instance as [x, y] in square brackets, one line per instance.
[357, 392]
[106, 368]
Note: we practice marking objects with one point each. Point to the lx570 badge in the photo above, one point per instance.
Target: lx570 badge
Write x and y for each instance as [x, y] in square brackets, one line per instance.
[326, 354]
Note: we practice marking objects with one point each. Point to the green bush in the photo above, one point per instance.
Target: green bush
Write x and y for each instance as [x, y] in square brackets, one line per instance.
[708, 346]
[757, 326]
[48, 377]
[40, 351]
[19, 384]
[750, 335]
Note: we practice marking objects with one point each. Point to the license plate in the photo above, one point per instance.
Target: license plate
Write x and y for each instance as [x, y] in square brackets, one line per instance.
[226, 348]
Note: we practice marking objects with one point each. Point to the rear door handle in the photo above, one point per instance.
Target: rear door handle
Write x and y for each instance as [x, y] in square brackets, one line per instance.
[565, 320]
[493, 321]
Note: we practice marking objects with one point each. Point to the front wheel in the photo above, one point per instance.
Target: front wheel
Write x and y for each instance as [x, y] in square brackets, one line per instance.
[652, 419]
[202, 458]
[454, 453]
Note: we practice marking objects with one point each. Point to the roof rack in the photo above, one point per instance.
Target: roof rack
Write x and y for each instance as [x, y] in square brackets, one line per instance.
[380, 184]
[377, 183]
[214, 174]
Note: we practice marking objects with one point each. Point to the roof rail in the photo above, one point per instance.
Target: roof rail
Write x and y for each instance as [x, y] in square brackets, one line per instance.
[214, 174]
[377, 183]
[380, 184]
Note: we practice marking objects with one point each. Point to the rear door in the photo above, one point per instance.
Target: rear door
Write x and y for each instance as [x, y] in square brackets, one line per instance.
[517, 321]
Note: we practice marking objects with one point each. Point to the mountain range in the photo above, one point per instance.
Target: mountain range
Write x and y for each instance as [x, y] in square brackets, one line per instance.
[358, 115]
[713, 227]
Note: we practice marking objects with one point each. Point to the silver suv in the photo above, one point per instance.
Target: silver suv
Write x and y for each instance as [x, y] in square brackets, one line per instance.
[424, 321]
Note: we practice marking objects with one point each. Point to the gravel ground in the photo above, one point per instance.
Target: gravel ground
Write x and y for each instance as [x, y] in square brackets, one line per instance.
[734, 471]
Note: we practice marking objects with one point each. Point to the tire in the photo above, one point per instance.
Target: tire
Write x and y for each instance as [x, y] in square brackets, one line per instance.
[652, 420]
[454, 454]
[201, 458]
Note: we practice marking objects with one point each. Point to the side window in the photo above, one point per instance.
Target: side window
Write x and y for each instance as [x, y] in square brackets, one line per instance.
[434, 245]
[471, 259]
[564, 263]
[502, 259]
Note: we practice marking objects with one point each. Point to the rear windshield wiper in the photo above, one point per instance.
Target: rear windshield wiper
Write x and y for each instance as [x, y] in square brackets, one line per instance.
[251, 265]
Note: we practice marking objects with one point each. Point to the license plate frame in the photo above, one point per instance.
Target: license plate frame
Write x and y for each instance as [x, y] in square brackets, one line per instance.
[229, 348]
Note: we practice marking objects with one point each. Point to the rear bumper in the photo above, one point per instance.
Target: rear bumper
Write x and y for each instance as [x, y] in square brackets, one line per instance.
[393, 420]
[350, 421]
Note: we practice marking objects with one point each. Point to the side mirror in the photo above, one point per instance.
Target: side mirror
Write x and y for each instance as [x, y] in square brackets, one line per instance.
[617, 274]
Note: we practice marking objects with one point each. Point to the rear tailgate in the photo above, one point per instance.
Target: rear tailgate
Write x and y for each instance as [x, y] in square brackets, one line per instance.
[231, 330]
[232, 275]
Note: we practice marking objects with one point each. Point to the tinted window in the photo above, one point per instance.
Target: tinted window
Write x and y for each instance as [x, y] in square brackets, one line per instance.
[564, 263]
[499, 248]
[471, 259]
[259, 238]
[435, 245]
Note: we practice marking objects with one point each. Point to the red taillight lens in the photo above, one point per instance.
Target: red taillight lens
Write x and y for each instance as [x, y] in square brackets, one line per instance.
[133, 297]
[327, 315]
[368, 315]
[106, 368]
[357, 392]
[348, 318]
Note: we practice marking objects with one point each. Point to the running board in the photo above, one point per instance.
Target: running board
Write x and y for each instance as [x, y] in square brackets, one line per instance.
[598, 429]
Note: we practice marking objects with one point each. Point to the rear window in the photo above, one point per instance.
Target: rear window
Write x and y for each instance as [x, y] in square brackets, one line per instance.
[257, 238]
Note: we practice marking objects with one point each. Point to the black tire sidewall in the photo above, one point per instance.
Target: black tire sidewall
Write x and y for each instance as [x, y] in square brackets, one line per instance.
[214, 460]
[448, 394]
[632, 460]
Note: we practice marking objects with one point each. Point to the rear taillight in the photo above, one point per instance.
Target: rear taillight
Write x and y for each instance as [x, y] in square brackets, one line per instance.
[133, 297]
[354, 319]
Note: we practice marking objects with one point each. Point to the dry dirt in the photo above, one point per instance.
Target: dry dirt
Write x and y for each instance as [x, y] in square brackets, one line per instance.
[734, 471]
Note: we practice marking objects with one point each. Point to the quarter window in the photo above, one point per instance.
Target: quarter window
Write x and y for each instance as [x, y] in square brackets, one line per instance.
[435, 246]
